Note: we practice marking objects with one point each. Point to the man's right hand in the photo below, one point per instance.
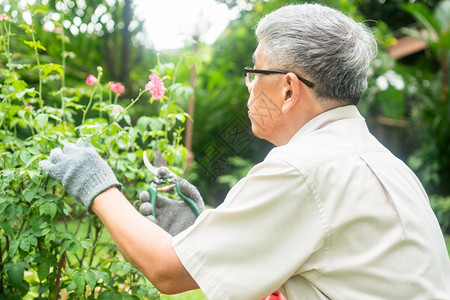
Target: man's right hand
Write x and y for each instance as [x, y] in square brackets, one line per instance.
[171, 215]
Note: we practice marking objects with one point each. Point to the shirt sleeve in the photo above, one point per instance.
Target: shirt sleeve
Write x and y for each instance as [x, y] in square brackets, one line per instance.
[269, 224]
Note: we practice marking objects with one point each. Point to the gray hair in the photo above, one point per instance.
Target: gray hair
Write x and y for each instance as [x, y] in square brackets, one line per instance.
[322, 43]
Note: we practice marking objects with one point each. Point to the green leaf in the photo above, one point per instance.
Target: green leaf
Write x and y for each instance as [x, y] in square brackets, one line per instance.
[7, 229]
[131, 156]
[3, 206]
[26, 27]
[40, 11]
[80, 281]
[25, 245]
[48, 208]
[15, 275]
[43, 270]
[31, 92]
[86, 244]
[423, 15]
[41, 120]
[37, 156]
[25, 156]
[9, 212]
[91, 279]
[32, 240]
[101, 275]
[29, 194]
[48, 68]
[13, 246]
[71, 286]
[127, 119]
[110, 295]
[392, 103]
[36, 44]
[64, 246]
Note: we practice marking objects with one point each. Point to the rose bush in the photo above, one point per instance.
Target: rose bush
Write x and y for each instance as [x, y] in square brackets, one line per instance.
[50, 248]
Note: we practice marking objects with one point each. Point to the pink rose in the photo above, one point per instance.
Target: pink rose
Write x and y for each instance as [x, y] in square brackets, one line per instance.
[91, 80]
[3, 17]
[28, 107]
[156, 87]
[117, 87]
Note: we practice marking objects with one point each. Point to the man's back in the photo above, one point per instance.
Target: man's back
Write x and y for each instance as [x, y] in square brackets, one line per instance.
[382, 240]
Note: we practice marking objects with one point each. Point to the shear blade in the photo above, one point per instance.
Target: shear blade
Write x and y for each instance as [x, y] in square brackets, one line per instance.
[149, 166]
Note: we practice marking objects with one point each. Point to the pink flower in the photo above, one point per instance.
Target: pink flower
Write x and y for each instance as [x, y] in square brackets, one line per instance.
[28, 107]
[91, 80]
[156, 87]
[117, 87]
[3, 17]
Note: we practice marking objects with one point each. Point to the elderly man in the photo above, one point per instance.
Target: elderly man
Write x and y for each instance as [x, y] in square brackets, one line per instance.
[329, 214]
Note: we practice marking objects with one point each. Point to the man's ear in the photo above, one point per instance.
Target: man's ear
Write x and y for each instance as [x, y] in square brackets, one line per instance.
[291, 91]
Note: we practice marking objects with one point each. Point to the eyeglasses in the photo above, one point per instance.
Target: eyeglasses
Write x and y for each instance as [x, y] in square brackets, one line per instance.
[250, 75]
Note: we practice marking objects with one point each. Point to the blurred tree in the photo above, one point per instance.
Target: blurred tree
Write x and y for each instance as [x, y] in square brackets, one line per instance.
[390, 12]
[431, 114]
[436, 33]
[96, 33]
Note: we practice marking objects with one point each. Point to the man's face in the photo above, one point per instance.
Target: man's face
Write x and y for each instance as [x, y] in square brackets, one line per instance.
[265, 101]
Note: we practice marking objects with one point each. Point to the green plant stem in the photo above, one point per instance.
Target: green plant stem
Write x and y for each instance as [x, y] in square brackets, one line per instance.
[63, 76]
[175, 71]
[21, 228]
[121, 113]
[1, 266]
[31, 127]
[96, 238]
[78, 226]
[89, 104]
[36, 53]
[101, 102]
[87, 236]
[444, 75]
[8, 55]
[97, 85]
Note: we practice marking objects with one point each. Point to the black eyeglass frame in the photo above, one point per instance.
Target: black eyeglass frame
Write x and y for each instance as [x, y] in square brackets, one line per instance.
[308, 83]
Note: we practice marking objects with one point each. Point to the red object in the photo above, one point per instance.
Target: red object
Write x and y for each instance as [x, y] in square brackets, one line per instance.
[275, 296]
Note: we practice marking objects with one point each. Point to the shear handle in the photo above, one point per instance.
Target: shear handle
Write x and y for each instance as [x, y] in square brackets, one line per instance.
[187, 200]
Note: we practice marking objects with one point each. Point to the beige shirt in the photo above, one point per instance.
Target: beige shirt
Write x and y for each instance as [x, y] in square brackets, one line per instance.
[331, 215]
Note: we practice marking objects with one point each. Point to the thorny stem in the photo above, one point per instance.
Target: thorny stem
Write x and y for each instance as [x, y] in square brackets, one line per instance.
[61, 264]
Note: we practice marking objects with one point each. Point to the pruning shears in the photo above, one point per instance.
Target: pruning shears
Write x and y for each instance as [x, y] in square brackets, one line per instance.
[164, 176]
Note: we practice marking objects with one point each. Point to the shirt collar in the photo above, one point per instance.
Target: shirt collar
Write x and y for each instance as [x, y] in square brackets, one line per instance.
[329, 116]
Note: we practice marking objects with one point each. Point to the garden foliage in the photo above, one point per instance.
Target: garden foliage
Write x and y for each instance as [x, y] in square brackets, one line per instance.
[50, 248]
